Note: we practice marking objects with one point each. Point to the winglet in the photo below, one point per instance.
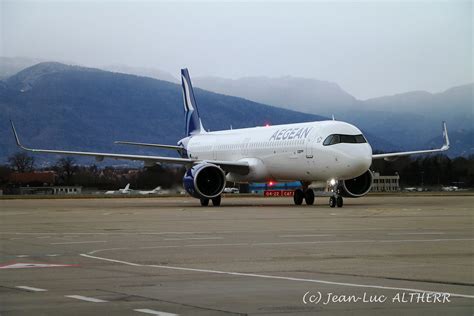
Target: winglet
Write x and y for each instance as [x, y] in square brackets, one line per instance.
[16, 136]
[446, 137]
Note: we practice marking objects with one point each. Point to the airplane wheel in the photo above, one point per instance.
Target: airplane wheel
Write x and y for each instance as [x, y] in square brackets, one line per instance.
[298, 197]
[332, 201]
[216, 201]
[309, 197]
[339, 201]
[204, 202]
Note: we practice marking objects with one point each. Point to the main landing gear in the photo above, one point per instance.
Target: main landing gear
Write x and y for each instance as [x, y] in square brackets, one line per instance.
[215, 201]
[306, 195]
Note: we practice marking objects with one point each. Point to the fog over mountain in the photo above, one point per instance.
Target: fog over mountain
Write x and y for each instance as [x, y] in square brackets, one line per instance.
[369, 48]
[299, 94]
[11, 65]
[142, 71]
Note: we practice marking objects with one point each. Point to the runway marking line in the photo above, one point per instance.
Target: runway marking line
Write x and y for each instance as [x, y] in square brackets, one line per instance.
[358, 241]
[427, 233]
[30, 288]
[193, 238]
[78, 242]
[297, 236]
[29, 265]
[86, 298]
[153, 312]
[265, 276]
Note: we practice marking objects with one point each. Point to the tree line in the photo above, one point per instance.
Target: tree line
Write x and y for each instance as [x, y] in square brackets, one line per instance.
[431, 170]
[68, 172]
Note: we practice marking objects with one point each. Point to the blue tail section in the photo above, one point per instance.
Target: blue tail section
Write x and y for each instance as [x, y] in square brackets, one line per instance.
[193, 123]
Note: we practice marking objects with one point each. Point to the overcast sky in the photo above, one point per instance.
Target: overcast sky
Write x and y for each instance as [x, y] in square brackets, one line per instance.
[369, 48]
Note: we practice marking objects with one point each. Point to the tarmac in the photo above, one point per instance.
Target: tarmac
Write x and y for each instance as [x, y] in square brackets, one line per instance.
[389, 255]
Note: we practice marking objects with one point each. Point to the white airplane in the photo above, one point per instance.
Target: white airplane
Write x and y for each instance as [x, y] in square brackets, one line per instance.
[450, 188]
[125, 190]
[156, 190]
[332, 151]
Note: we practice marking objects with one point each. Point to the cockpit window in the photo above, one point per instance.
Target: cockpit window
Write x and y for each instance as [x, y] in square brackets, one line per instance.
[341, 138]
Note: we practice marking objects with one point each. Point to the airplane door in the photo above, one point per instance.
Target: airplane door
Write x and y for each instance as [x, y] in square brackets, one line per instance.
[214, 149]
[245, 147]
[309, 148]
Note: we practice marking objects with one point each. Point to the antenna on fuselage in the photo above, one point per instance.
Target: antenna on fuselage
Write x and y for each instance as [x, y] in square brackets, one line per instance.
[333, 118]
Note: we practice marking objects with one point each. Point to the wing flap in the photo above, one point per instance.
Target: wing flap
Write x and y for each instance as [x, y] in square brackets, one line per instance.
[149, 145]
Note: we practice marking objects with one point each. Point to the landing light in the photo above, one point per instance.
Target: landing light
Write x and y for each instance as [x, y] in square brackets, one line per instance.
[332, 182]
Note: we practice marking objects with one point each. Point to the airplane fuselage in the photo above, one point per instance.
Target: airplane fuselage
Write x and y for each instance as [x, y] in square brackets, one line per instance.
[286, 152]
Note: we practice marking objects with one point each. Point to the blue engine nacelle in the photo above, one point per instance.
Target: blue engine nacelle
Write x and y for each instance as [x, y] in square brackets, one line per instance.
[204, 180]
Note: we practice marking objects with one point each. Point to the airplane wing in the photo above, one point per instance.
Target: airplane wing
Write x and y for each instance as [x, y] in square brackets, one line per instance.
[393, 156]
[229, 166]
[150, 145]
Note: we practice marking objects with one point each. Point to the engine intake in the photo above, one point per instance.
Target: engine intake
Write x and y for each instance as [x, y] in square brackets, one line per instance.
[356, 187]
[204, 180]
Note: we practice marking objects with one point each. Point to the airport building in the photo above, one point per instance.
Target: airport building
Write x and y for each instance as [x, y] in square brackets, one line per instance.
[48, 190]
[385, 183]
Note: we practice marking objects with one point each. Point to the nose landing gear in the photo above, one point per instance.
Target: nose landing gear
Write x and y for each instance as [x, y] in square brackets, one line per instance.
[336, 200]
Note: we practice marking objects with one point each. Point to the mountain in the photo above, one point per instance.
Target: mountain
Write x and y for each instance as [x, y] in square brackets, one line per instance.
[70, 107]
[299, 94]
[142, 71]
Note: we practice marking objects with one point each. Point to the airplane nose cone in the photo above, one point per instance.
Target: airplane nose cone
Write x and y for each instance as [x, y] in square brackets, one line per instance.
[363, 162]
[358, 160]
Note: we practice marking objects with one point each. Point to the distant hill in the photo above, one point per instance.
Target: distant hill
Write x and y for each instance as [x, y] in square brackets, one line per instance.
[71, 107]
[299, 94]
[142, 71]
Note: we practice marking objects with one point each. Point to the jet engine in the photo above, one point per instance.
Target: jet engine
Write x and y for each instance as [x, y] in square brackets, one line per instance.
[356, 187]
[204, 180]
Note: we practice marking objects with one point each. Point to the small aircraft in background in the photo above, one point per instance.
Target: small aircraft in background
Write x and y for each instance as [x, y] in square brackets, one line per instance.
[450, 188]
[156, 190]
[412, 189]
[125, 190]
